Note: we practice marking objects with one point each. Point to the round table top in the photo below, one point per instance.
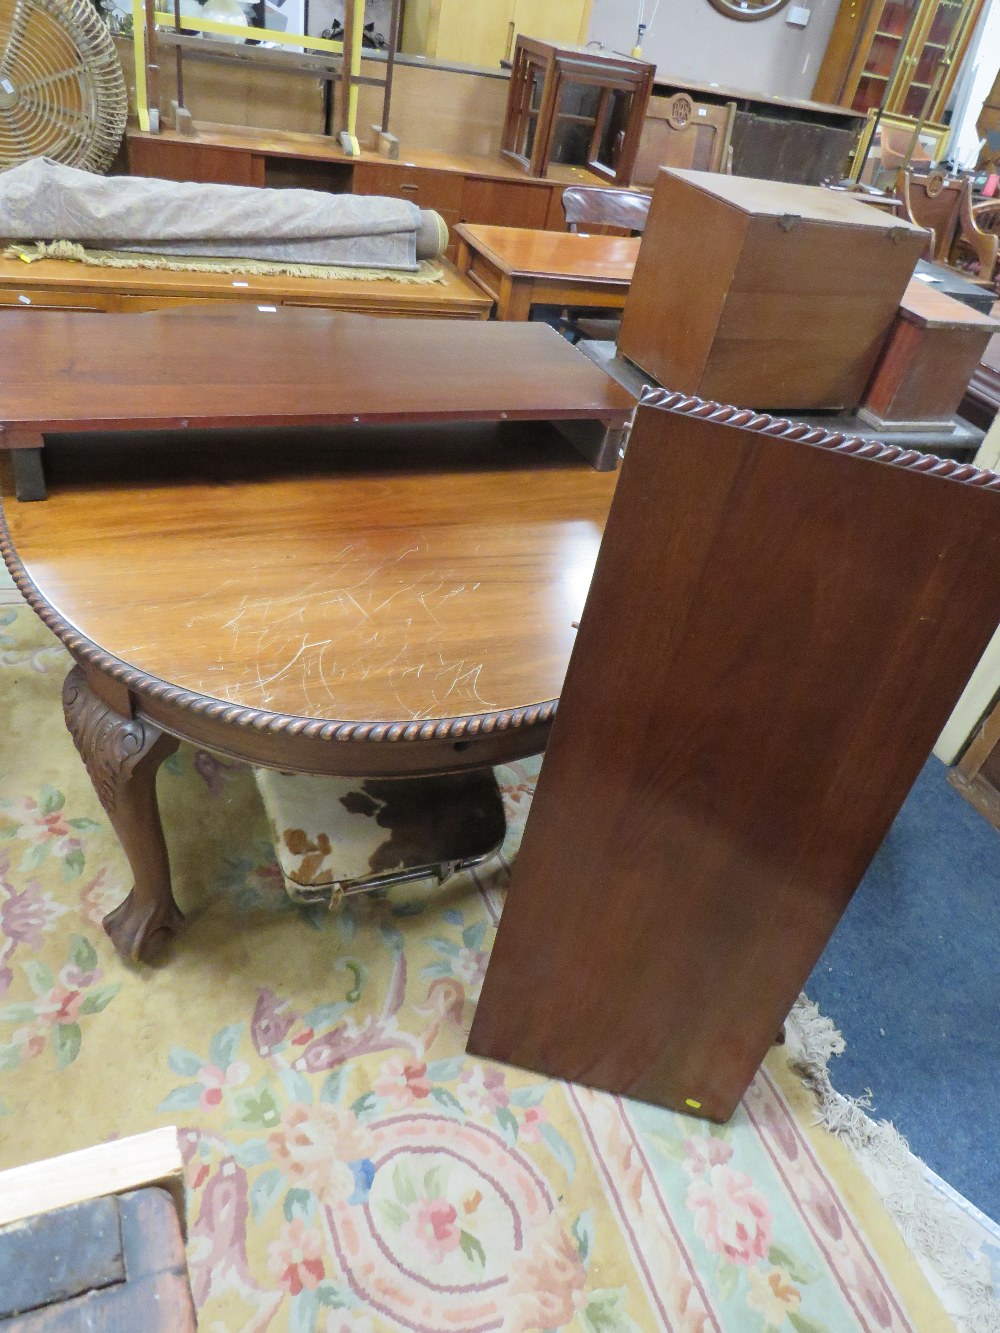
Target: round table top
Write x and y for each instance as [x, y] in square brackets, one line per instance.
[367, 575]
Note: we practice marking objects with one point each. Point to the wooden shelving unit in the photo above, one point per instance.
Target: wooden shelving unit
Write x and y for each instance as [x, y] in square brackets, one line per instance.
[572, 107]
[889, 54]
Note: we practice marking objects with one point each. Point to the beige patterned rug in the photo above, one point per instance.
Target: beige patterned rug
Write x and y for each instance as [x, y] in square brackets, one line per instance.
[348, 1167]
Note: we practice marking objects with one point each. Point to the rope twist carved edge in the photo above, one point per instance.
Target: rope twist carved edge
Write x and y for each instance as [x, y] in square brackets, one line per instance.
[478, 724]
[274, 724]
[871, 450]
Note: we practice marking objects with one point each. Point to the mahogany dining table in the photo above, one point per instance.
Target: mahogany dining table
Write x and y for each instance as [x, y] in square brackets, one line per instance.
[380, 591]
[520, 267]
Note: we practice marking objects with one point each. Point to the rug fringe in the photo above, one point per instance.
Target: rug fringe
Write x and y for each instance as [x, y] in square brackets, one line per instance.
[425, 274]
[924, 1220]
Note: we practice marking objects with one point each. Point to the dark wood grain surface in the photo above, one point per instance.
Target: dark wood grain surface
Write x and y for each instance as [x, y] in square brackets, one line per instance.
[85, 371]
[368, 601]
[770, 647]
[366, 574]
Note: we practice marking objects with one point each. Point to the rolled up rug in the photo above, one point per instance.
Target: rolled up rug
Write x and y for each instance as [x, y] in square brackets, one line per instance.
[43, 200]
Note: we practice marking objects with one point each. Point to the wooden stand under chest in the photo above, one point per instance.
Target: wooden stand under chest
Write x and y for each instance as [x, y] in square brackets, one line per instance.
[764, 294]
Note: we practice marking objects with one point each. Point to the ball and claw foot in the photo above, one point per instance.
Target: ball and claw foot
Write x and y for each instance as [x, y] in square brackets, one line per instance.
[140, 931]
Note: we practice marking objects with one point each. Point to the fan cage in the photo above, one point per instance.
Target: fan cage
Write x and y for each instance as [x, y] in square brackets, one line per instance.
[62, 89]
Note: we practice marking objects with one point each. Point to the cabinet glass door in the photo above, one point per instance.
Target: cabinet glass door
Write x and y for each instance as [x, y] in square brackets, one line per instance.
[528, 88]
[884, 62]
[946, 18]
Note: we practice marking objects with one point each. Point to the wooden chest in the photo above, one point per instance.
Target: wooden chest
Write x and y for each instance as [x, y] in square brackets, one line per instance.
[764, 294]
[935, 345]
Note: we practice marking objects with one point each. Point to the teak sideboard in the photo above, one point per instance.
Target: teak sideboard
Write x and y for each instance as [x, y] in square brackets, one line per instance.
[461, 187]
[59, 284]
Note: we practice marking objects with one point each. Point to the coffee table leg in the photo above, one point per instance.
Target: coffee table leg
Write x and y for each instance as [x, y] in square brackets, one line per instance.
[122, 756]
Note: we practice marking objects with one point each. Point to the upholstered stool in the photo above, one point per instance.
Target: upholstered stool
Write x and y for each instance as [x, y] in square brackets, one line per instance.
[335, 836]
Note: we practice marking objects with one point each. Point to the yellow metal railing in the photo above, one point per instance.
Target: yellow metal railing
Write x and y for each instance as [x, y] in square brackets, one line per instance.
[192, 24]
[139, 54]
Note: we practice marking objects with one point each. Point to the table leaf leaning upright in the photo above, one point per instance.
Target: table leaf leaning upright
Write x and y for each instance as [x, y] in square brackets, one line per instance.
[779, 624]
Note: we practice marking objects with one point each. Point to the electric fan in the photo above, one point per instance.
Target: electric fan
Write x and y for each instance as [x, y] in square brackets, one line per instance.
[62, 90]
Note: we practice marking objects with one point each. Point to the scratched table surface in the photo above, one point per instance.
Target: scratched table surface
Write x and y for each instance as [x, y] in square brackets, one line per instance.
[365, 573]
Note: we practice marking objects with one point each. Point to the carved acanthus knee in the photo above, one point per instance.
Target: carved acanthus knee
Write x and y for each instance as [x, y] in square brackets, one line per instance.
[122, 756]
[110, 745]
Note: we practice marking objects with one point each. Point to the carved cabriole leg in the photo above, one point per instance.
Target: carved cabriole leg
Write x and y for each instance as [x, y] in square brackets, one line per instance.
[122, 756]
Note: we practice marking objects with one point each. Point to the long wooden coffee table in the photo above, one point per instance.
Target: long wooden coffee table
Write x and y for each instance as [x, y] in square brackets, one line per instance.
[243, 367]
[361, 600]
[520, 267]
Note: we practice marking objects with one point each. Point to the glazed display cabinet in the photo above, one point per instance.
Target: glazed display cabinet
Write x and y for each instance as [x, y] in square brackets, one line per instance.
[573, 107]
[900, 55]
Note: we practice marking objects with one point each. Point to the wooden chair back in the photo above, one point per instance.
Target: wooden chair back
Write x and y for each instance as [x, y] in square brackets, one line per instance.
[605, 210]
[679, 132]
[979, 234]
[943, 205]
[934, 202]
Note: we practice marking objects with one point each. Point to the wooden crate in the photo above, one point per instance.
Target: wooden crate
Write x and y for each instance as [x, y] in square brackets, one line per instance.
[764, 294]
[935, 345]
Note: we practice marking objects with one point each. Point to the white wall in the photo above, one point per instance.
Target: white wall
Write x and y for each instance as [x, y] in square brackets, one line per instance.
[689, 39]
[974, 83]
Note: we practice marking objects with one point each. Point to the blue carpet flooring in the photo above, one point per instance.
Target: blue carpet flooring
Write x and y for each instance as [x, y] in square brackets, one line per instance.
[912, 980]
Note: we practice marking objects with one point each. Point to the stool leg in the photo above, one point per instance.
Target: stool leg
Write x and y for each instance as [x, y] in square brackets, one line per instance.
[122, 756]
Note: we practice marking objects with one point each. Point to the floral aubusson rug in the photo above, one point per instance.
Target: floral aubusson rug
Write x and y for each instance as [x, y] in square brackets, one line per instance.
[348, 1167]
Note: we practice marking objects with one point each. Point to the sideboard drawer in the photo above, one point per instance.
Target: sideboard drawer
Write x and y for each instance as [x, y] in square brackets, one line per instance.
[28, 298]
[440, 190]
[189, 160]
[129, 304]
